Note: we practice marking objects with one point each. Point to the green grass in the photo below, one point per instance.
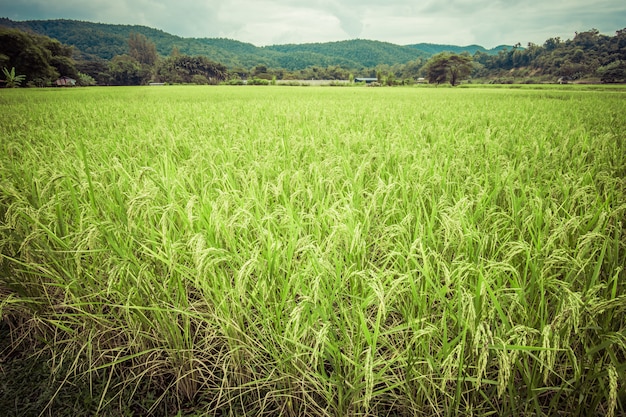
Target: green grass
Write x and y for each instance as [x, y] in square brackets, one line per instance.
[318, 251]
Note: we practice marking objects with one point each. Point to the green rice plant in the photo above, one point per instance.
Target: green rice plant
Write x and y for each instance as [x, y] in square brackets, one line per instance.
[300, 252]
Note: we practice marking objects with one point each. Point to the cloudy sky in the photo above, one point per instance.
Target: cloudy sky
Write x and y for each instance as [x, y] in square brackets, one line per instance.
[265, 22]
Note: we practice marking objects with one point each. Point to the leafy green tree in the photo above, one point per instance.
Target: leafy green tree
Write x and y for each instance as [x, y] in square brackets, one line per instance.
[183, 68]
[85, 80]
[27, 53]
[125, 70]
[412, 69]
[437, 69]
[199, 79]
[238, 72]
[335, 72]
[64, 66]
[259, 69]
[261, 72]
[614, 72]
[40, 58]
[92, 68]
[460, 66]
[175, 53]
[448, 67]
[142, 49]
[552, 44]
[11, 79]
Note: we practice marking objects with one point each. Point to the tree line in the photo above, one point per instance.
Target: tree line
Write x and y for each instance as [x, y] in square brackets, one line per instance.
[588, 54]
[40, 60]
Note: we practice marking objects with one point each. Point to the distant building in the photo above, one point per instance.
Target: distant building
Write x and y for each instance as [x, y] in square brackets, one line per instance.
[365, 80]
[65, 82]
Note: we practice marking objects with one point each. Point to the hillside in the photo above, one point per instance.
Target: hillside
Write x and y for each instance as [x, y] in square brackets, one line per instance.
[104, 41]
[364, 52]
[432, 48]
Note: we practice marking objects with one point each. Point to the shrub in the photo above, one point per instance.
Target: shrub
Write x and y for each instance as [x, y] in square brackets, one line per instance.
[199, 79]
[258, 81]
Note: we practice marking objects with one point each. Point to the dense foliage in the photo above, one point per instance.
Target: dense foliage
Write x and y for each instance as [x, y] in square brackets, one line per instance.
[92, 39]
[434, 49]
[95, 41]
[356, 53]
[448, 67]
[126, 55]
[11, 79]
[186, 69]
[38, 58]
[587, 54]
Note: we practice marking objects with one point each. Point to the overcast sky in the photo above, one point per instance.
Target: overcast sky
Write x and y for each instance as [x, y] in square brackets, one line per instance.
[264, 22]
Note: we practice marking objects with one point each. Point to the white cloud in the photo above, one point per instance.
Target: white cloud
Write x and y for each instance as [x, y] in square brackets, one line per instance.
[273, 23]
[486, 22]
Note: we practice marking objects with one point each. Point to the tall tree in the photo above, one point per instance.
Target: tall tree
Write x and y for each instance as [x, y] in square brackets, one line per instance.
[191, 69]
[40, 58]
[448, 67]
[459, 66]
[615, 72]
[142, 49]
[175, 52]
[125, 70]
[436, 69]
[412, 69]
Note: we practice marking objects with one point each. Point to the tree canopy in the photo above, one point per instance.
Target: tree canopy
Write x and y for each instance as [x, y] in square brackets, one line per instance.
[448, 67]
[129, 55]
[188, 69]
[142, 49]
[39, 58]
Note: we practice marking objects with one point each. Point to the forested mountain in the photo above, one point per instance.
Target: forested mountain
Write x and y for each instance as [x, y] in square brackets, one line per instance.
[106, 41]
[433, 48]
[107, 54]
[362, 52]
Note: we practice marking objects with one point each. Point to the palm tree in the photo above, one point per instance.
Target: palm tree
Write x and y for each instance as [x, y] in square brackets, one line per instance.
[11, 79]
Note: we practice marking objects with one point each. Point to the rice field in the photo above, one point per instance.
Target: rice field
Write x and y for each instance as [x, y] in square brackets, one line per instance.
[315, 251]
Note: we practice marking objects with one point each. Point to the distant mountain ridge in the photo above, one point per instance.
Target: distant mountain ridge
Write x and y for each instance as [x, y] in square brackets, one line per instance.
[433, 48]
[104, 41]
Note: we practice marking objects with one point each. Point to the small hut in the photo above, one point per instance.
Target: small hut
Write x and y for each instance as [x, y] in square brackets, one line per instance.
[65, 82]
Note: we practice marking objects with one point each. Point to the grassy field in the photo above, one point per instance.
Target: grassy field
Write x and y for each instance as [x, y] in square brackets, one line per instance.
[313, 251]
